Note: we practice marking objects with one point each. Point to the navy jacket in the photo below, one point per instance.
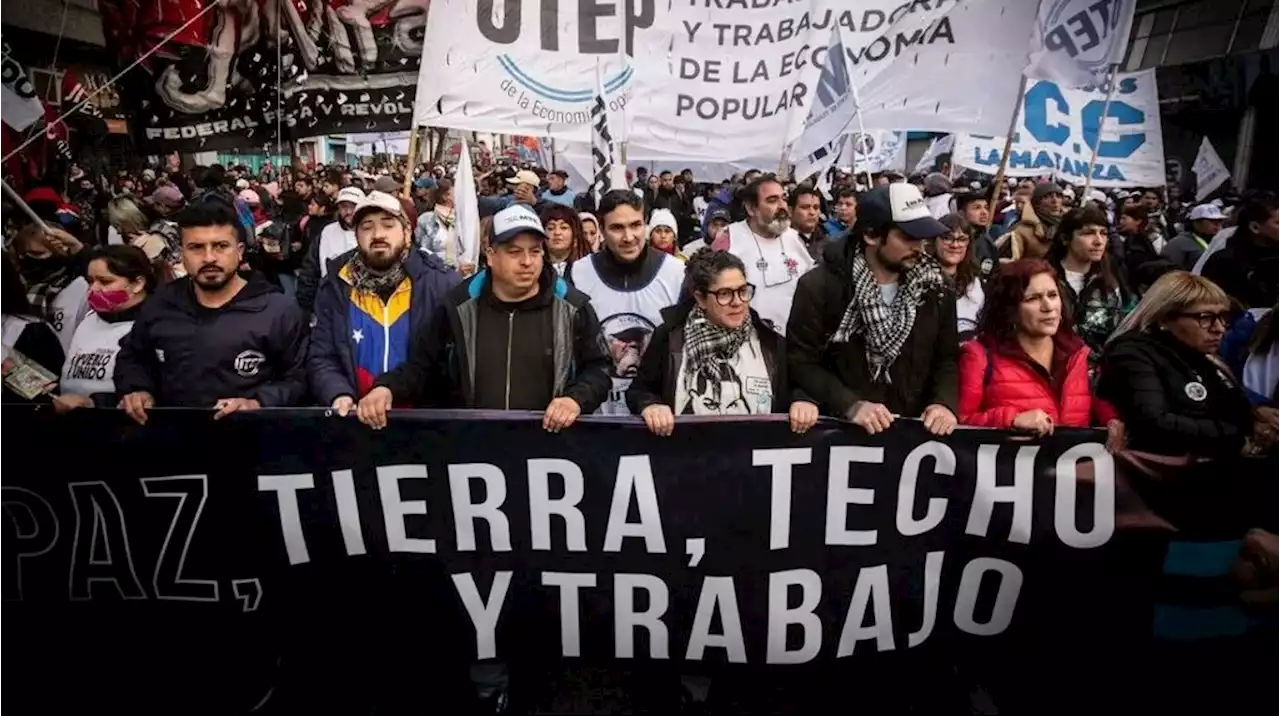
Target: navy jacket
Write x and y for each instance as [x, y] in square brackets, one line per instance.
[190, 356]
[330, 366]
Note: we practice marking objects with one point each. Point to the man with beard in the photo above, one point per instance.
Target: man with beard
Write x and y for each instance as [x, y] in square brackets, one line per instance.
[872, 333]
[336, 238]
[213, 339]
[1037, 223]
[369, 312]
[772, 251]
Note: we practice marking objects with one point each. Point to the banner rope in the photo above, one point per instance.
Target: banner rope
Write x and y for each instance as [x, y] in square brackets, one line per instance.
[112, 81]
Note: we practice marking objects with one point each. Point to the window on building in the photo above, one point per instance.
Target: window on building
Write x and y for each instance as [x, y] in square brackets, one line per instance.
[1169, 32]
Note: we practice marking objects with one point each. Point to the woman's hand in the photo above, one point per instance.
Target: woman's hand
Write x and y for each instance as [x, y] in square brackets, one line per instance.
[67, 403]
[1265, 427]
[804, 415]
[659, 419]
[1116, 437]
[1036, 422]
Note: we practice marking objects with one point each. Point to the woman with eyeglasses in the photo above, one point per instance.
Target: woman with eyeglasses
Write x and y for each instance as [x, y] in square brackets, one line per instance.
[1162, 374]
[714, 355]
[955, 256]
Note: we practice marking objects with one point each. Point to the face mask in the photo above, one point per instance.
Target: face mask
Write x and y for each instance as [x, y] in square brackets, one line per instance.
[108, 301]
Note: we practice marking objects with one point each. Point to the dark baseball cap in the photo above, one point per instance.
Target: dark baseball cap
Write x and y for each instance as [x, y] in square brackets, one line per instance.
[903, 206]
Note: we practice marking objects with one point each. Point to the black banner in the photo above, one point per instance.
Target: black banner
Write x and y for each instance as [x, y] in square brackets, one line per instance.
[224, 82]
[290, 561]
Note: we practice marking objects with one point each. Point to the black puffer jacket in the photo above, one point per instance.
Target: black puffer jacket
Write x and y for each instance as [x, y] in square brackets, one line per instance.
[1173, 400]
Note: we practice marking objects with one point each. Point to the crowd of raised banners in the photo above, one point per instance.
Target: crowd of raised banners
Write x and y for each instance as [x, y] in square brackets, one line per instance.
[450, 537]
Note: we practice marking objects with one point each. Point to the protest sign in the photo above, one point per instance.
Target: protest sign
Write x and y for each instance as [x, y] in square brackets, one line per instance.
[1077, 42]
[290, 561]
[1058, 126]
[718, 80]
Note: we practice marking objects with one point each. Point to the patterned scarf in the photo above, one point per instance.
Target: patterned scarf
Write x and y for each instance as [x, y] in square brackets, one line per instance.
[366, 280]
[707, 345]
[885, 328]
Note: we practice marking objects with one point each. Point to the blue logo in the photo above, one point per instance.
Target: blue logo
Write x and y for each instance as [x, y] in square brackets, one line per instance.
[556, 94]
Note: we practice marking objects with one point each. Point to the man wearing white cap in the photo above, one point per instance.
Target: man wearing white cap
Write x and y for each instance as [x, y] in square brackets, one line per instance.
[1204, 223]
[336, 239]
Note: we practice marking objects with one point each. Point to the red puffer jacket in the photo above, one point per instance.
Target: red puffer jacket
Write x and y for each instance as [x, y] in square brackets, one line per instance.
[1013, 385]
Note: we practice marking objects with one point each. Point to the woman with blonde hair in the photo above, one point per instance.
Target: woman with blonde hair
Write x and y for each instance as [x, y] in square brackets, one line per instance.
[1161, 373]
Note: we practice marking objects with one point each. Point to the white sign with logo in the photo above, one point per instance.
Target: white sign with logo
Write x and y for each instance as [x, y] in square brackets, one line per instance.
[1076, 42]
[717, 81]
[1057, 127]
[1211, 172]
[874, 152]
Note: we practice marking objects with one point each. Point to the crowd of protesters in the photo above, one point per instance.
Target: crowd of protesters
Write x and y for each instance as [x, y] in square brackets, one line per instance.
[229, 290]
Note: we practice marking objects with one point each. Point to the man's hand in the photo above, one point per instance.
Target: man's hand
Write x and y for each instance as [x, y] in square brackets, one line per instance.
[227, 406]
[465, 270]
[524, 194]
[659, 419]
[136, 405]
[872, 417]
[373, 408]
[67, 403]
[560, 414]
[1036, 422]
[804, 415]
[939, 420]
[342, 405]
[61, 242]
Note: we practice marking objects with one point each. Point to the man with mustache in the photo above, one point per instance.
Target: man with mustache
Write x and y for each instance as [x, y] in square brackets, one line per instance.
[774, 254]
[213, 339]
[371, 310]
[336, 238]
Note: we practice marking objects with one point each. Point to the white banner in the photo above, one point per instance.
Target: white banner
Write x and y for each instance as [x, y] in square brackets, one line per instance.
[722, 80]
[1076, 42]
[938, 147]
[876, 152]
[1209, 169]
[19, 104]
[1057, 128]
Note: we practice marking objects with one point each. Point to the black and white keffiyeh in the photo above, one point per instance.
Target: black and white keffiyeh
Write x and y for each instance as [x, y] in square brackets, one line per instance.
[885, 328]
[707, 344]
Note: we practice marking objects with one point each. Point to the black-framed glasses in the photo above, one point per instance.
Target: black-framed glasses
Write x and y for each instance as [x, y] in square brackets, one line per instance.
[957, 239]
[724, 296]
[1206, 319]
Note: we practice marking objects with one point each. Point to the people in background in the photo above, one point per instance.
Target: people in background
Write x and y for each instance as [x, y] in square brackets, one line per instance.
[513, 337]
[806, 219]
[872, 332]
[591, 231]
[1026, 369]
[437, 229]
[844, 212]
[663, 230]
[336, 238]
[370, 312]
[713, 355]
[1247, 267]
[1142, 264]
[120, 278]
[974, 206]
[213, 339]
[25, 330]
[1096, 296]
[1036, 225]
[954, 252]
[1250, 350]
[1161, 373]
[557, 192]
[566, 241]
[1203, 223]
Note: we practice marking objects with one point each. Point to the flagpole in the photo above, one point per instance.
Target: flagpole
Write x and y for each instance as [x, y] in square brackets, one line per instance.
[1008, 147]
[414, 139]
[26, 208]
[101, 88]
[1102, 121]
[862, 129]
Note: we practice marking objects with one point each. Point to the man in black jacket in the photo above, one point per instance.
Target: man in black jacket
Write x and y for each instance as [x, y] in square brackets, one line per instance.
[513, 337]
[213, 339]
[872, 332]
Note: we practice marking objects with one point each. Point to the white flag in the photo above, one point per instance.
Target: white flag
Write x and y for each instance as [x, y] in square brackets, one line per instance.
[1075, 42]
[834, 103]
[19, 105]
[607, 171]
[466, 208]
[938, 147]
[1210, 171]
[820, 160]
[878, 151]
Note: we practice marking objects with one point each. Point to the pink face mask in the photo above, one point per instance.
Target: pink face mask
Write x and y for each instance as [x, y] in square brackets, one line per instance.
[108, 301]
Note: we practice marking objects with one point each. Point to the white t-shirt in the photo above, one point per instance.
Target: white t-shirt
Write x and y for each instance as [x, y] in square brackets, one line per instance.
[888, 292]
[628, 319]
[745, 390]
[1074, 280]
[91, 359]
[334, 241]
[774, 266]
[969, 306]
[66, 311]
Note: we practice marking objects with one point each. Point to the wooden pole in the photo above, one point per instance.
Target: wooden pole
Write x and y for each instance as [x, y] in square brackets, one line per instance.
[1093, 154]
[413, 152]
[1008, 147]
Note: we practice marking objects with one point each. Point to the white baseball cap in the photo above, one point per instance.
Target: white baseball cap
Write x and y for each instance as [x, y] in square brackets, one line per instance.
[378, 201]
[902, 205]
[351, 194]
[515, 220]
[1207, 211]
[524, 176]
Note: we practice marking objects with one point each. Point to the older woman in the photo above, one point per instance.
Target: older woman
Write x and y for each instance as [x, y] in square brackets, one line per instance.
[1161, 372]
[1027, 369]
[566, 241]
[713, 355]
[954, 252]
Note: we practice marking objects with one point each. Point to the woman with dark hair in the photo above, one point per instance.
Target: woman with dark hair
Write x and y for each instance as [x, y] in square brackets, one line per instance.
[437, 230]
[1027, 369]
[1096, 296]
[51, 263]
[954, 252]
[713, 355]
[26, 334]
[566, 240]
[120, 279]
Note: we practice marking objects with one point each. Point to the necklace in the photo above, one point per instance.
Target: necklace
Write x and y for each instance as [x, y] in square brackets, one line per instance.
[762, 264]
